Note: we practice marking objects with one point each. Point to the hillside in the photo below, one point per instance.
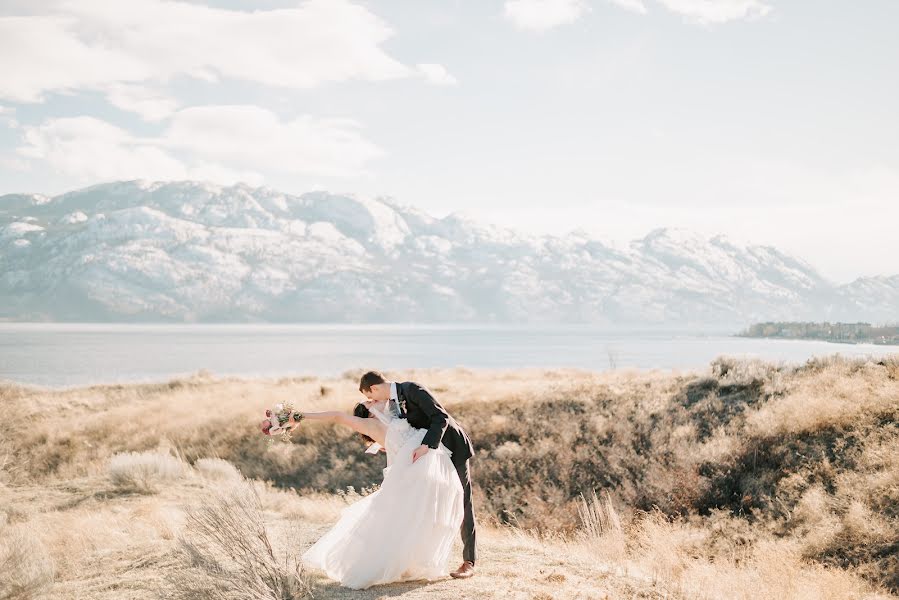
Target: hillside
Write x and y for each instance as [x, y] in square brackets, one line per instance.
[750, 480]
[136, 536]
[189, 251]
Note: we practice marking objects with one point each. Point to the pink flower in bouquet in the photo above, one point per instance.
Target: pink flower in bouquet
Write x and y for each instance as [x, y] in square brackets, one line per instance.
[277, 421]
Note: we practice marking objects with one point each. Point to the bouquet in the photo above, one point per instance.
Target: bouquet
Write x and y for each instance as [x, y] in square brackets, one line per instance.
[276, 421]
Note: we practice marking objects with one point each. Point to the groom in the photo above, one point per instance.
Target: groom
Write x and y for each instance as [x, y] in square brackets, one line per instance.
[422, 410]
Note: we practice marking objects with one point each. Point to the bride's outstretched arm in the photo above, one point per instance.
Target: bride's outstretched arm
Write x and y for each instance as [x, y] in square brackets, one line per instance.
[370, 427]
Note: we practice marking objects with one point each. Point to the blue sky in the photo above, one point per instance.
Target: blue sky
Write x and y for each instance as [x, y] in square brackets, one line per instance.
[769, 121]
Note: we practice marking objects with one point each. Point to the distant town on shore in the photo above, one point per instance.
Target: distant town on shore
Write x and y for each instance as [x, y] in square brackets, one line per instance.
[845, 333]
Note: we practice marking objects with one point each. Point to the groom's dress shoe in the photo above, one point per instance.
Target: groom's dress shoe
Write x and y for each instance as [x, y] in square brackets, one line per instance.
[465, 571]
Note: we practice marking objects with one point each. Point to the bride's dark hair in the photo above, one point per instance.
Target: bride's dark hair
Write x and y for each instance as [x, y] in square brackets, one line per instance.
[360, 410]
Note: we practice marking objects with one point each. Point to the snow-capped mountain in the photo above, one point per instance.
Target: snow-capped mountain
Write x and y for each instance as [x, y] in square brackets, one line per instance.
[187, 251]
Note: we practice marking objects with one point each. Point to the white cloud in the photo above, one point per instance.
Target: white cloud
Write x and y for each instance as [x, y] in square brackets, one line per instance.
[95, 44]
[256, 137]
[13, 163]
[636, 6]
[216, 143]
[92, 149]
[41, 53]
[540, 15]
[707, 12]
[150, 104]
[436, 74]
[6, 116]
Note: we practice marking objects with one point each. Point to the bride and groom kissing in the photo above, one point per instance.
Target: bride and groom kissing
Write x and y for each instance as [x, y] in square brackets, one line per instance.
[405, 529]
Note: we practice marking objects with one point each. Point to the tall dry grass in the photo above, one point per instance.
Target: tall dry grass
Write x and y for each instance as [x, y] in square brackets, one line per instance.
[144, 471]
[26, 568]
[226, 552]
[716, 558]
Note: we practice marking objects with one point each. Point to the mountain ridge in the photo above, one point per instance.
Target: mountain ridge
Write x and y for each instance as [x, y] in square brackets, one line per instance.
[193, 251]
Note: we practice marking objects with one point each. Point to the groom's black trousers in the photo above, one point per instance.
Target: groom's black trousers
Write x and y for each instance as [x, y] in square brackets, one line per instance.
[469, 548]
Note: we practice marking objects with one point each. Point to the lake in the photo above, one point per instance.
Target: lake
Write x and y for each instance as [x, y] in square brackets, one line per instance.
[61, 355]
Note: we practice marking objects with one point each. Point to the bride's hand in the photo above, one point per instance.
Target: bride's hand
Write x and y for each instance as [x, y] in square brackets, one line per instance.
[419, 452]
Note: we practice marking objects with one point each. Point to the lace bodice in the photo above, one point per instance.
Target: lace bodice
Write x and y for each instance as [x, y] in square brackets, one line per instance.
[398, 430]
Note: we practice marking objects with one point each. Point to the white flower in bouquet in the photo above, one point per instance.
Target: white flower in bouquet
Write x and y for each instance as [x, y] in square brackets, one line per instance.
[277, 421]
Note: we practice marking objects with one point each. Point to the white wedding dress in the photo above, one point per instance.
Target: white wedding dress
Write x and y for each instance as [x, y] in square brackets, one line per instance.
[404, 530]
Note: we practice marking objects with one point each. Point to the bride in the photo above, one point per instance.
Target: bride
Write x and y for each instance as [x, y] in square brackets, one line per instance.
[404, 530]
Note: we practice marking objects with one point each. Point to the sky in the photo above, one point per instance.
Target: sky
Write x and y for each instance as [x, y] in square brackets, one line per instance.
[769, 121]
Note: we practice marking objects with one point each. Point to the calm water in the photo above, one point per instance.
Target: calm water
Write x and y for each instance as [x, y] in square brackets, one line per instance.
[76, 354]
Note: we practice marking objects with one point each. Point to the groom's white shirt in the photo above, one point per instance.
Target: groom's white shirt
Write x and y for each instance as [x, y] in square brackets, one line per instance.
[394, 397]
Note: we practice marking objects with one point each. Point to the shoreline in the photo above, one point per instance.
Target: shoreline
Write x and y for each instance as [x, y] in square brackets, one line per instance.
[204, 376]
[812, 339]
[549, 373]
[62, 359]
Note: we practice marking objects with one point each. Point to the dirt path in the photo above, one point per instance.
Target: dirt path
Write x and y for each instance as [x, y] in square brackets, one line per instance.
[510, 566]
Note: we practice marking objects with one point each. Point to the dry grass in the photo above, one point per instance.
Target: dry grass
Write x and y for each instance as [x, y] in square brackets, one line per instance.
[226, 552]
[217, 469]
[716, 558]
[144, 471]
[676, 556]
[748, 480]
[601, 528]
[26, 567]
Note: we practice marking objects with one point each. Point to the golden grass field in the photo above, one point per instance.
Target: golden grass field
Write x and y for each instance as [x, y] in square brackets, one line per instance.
[746, 480]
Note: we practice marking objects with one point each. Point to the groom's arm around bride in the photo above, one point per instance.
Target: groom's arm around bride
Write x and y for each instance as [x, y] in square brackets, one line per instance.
[419, 397]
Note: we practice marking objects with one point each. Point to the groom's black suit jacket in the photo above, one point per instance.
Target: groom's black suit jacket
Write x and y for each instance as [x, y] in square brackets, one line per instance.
[424, 412]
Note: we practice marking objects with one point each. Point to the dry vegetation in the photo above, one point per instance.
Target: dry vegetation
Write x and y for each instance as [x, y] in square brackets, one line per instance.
[751, 480]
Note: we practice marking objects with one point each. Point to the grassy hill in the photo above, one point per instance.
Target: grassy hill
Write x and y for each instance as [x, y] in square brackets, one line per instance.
[748, 480]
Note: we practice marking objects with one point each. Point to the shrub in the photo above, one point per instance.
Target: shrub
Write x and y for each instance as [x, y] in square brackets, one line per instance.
[144, 471]
[217, 468]
[26, 568]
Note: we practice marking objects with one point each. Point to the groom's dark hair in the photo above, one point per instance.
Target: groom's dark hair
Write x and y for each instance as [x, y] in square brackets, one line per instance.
[369, 379]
